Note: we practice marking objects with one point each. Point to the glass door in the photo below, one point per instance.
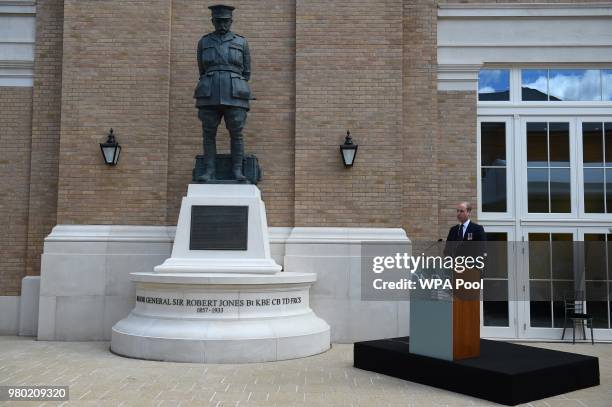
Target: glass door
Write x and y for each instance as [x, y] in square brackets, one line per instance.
[551, 273]
[596, 267]
[499, 305]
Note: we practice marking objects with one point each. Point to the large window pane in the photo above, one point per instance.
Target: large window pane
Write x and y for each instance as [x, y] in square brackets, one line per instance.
[607, 84]
[539, 304]
[493, 143]
[537, 144]
[597, 302]
[592, 144]
[494, 84]
[534, 84]
[608, 142]
[495, 290]
[595, 256]
[537, 190]
[493, 166]
[560, 190]
[558, 135]
[594, 190]
[609, 247]
[539, 256]
[609, 189]
[495, 308]
[562, 256]
[575, 84]
[497, 255]
[561, 291]
[493, 189]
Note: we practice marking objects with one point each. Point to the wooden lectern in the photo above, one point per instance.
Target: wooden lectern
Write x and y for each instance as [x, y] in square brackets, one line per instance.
[446, 325]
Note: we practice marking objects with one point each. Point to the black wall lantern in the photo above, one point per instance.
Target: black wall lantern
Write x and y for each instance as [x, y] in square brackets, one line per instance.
[348, 150]
[111, 149]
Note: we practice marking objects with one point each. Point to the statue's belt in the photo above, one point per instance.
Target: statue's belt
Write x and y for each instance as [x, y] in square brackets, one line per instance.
[231, 68]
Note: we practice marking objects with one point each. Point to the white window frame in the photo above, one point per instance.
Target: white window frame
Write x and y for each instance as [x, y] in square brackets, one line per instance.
[522, 170]
[510, 331]
[580, 179]
[515, 88]
[510, 211]
[526, 330]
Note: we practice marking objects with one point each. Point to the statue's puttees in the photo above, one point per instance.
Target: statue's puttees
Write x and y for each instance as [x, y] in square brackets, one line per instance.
[223, 90]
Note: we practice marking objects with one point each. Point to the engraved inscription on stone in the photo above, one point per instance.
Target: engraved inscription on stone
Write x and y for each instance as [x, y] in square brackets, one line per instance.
[219, 227]
[221, 305]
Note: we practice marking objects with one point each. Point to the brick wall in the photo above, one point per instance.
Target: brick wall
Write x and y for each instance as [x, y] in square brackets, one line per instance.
[116, 70]
[46, 108]
[348, 76]
[15, 135]
[420, 176]
[457, 155]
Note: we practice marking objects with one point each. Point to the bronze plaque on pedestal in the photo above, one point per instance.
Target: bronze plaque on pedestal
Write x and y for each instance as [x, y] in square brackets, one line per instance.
[219, 227]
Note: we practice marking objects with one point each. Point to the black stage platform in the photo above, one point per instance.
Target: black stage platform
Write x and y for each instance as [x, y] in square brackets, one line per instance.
[505, 373]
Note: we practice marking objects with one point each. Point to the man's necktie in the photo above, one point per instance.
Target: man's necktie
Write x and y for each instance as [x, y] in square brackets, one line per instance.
[461, 231]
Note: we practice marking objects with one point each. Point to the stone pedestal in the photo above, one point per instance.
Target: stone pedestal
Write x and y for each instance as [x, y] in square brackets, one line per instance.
[220, 297]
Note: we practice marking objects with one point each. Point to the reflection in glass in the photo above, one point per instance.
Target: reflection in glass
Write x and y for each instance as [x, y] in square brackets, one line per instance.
[534, 84]
[558, 134]
[537, 144]
[609, 189]
[608, 142]
[495, 291]
[606, 75]
[495, 313]
[575, 84]
[594, 190]
[560, 190]
[497, 255]
[493, 143]
[592, 144]
[540, 313]
[493, 189]
[562, 257]
[561, 290]
[597, 302]
[494, 84]
[594, 256]
[493, 154]
[539, 256]
[537, 190]
[596, 291]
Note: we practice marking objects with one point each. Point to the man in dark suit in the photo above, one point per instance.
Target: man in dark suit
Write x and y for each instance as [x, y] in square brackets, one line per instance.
[466, 231]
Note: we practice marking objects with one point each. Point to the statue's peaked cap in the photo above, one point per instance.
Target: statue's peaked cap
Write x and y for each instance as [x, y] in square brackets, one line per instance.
[221, 11]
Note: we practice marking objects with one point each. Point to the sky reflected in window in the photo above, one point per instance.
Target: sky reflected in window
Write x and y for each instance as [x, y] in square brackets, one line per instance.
[607, 84]
[534, 84]
[494, 84]
[575, 84]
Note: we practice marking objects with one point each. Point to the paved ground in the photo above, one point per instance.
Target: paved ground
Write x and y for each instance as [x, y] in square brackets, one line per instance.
[98, 378]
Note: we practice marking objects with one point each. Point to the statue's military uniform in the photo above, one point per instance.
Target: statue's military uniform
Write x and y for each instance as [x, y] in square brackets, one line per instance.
[223, 90]
[225, 68]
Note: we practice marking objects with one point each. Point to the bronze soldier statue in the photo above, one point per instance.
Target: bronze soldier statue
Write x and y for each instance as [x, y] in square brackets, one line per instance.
[223, 89]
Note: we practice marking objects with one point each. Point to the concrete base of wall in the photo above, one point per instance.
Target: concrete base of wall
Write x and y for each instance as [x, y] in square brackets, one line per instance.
[9, 314]
[28, 306]
[85, 277]
[19, 313]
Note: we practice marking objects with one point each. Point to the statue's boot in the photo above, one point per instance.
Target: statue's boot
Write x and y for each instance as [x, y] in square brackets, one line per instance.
[237, 147]
[210, 153]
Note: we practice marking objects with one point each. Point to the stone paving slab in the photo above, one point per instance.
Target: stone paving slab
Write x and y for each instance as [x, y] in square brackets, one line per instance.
[99, 378]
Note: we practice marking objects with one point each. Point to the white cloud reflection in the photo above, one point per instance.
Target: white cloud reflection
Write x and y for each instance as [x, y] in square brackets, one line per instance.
[569, 84]
[607, 84]
[493, 80]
